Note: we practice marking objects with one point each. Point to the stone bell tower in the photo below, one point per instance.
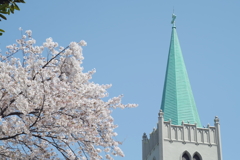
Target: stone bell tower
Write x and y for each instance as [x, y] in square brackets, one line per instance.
[179, 134]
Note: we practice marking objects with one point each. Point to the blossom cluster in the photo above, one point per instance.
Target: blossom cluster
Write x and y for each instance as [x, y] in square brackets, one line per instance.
[49, 107]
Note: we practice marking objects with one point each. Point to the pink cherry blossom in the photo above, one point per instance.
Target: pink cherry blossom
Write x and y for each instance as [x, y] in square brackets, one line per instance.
[49, 109]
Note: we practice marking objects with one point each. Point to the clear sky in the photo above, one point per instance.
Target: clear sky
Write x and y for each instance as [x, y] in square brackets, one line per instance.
[128, 44]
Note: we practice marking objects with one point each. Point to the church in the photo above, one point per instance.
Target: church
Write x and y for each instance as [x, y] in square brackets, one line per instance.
[179, 134]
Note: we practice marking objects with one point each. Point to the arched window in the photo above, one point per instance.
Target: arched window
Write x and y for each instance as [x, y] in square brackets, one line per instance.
[196, 157]
[185, 157]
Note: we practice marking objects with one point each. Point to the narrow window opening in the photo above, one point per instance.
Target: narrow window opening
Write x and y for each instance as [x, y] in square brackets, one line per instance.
[196, 157]
[185, 157]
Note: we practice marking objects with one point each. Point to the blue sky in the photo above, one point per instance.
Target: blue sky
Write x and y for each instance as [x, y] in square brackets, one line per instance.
[128, 44]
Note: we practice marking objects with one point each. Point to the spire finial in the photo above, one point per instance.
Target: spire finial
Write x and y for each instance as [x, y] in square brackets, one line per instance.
[173, 19]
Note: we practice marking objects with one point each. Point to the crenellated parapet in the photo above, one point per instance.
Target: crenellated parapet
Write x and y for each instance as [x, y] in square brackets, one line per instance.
[189, 133]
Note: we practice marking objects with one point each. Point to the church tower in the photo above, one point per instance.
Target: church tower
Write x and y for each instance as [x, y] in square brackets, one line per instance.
[179, 134]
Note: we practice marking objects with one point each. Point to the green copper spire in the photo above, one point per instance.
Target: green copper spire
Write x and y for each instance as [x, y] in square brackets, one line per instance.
[178, 102]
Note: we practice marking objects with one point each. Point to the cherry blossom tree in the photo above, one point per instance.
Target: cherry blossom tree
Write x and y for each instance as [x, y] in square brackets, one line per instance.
[49, 109]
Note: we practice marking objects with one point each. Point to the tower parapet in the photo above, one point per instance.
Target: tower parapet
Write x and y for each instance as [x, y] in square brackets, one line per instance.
[190, 133]
[180, 138]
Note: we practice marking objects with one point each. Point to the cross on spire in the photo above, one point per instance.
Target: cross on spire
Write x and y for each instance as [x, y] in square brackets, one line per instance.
[173, 19]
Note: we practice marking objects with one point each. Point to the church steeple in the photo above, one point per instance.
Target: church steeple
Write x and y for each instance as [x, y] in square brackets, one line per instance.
[177, 101]
[182, 137]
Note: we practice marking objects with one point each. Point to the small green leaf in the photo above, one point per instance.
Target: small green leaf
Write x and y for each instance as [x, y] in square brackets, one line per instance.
[16, 7]
[3, 9]
[3, 12]
[12, 8]
[3, 6]
[3, 17]
[0, 34]
[1, 30]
